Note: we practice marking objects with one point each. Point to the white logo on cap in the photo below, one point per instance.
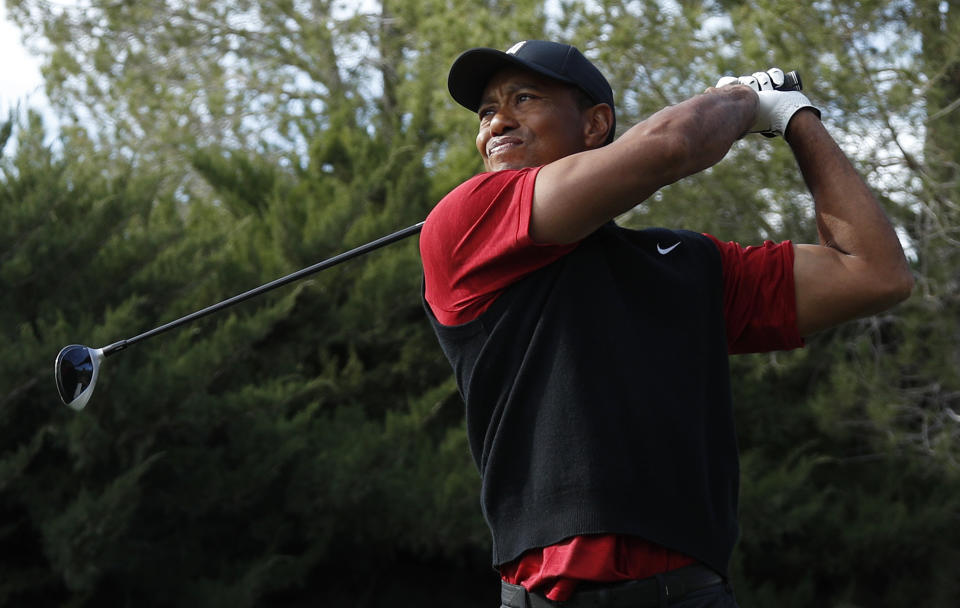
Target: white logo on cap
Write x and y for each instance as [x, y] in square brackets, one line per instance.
[513, 50]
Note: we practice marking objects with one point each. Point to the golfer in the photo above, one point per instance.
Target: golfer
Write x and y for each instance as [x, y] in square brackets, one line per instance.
[593, 359]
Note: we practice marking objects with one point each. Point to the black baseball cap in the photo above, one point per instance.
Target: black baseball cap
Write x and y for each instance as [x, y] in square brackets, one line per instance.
[472, 70]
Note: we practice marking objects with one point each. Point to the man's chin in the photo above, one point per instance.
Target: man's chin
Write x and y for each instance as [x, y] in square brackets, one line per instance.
[507, 166]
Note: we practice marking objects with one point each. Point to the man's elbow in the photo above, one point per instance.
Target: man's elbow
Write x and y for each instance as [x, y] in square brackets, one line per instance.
[903, 286]
[895, 288]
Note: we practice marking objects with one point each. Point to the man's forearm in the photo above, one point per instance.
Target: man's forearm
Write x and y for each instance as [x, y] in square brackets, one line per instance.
[579, 193]
[849, 218]
[706, 125]
[867, 271]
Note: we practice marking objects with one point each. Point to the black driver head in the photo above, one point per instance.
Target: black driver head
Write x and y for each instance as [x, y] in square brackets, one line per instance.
[76, 372]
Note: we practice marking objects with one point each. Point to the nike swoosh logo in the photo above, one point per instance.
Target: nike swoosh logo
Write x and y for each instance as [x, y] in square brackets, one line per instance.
[668, 249]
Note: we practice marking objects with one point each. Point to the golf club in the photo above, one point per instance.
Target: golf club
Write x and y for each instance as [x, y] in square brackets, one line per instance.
[77, 367]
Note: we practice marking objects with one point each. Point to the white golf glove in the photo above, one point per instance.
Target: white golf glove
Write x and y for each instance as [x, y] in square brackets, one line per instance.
[776, 107]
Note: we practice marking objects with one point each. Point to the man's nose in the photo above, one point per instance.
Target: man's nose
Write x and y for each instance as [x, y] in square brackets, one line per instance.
[502, 121]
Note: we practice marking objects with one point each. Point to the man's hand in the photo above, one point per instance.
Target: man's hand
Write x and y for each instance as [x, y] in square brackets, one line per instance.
[776, 107]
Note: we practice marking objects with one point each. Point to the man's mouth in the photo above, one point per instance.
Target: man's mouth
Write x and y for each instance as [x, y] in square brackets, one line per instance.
[497, 146]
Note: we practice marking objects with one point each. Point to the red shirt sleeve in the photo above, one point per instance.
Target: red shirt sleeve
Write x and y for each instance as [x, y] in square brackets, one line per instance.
[759, 301]
[476, 242]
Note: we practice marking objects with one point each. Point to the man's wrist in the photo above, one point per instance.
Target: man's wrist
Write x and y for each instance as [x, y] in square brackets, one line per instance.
[801, 122]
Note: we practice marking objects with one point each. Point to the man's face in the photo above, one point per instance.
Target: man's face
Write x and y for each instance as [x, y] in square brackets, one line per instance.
[527, 120]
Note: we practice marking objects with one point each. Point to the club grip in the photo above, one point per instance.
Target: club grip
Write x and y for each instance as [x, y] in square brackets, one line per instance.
[791, 82]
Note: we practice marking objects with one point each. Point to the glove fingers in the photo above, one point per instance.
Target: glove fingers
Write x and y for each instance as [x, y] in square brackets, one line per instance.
[776, 75]
[764, 81]
[772, 79]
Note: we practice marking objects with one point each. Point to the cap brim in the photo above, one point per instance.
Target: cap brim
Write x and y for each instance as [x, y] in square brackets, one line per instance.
[474, 68]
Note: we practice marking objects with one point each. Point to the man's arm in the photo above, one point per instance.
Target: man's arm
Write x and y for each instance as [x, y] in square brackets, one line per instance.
[858, 268]
[579, 193]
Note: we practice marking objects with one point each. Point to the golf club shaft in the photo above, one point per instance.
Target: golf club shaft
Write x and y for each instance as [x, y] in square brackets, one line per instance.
[337, 259]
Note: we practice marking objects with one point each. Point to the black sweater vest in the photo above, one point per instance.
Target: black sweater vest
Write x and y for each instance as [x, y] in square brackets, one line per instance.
[598, 398]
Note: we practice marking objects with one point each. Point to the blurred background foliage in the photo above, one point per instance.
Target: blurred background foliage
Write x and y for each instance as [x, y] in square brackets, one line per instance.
[308, 447]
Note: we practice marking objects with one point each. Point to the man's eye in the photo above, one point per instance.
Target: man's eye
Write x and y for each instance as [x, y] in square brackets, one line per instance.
[485, 113]
[524, 97]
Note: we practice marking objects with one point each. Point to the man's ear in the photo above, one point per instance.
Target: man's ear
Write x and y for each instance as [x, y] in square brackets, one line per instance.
[597, 123]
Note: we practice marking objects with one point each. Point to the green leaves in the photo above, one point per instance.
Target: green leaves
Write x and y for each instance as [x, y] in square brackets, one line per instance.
[94, 526]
